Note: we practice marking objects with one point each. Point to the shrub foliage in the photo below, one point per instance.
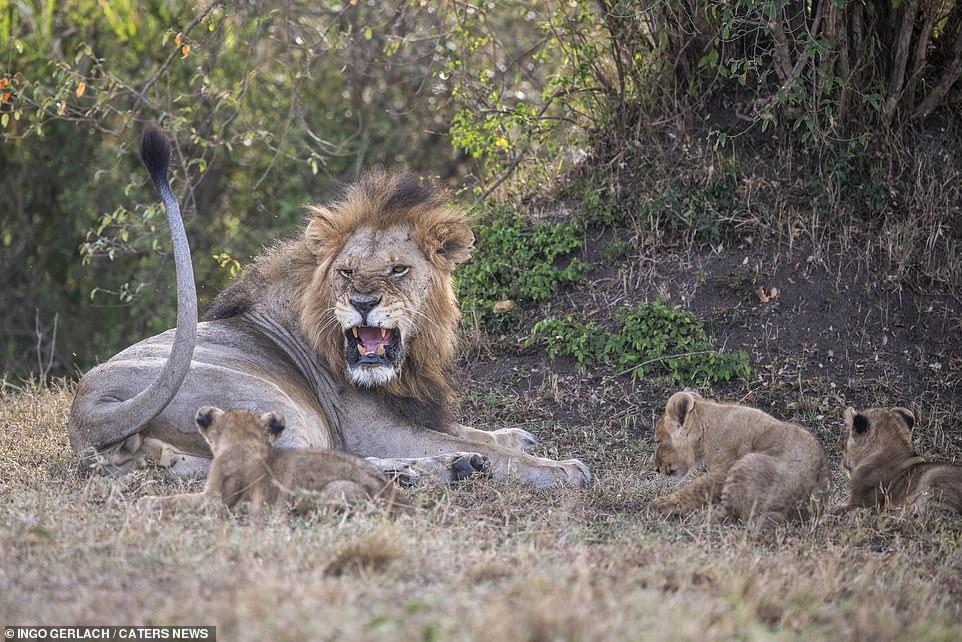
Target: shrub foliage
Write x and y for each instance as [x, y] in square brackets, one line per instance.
[652, 339]
[517, 262]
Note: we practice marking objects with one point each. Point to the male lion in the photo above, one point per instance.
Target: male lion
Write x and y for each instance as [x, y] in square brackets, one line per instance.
[884, 469]
[762, 469]
[247, 469]
[348, 331]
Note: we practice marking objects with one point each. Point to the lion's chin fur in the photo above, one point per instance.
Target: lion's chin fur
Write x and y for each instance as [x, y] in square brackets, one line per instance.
[372, 376]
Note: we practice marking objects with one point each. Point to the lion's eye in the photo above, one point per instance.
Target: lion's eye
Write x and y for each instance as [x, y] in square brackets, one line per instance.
[400, 270]
[346, 273]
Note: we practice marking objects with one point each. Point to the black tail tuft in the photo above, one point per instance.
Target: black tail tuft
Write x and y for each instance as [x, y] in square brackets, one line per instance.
[155, 152]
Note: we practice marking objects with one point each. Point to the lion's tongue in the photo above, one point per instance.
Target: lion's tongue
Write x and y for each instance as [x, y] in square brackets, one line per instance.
[372, 339]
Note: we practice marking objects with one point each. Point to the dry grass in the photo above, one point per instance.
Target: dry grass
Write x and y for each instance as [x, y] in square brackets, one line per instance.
[483, 560]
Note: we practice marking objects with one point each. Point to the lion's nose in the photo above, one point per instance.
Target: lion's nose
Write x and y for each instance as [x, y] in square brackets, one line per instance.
[364, 304]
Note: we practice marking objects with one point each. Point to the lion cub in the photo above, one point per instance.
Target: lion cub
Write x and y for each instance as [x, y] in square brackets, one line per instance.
[247, 469]
[759, 467]
[884, 469]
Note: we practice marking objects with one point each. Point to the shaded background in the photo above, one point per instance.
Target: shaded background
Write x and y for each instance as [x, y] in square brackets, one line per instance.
[582, 132]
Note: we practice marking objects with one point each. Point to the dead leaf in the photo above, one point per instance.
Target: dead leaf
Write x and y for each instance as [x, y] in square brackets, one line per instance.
[506, 305]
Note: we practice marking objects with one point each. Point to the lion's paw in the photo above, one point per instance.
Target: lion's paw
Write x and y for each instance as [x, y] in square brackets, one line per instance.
[426, 471]
[465, 465]
[570, 473]
[515, 438]
[578, 474]
[400, 471]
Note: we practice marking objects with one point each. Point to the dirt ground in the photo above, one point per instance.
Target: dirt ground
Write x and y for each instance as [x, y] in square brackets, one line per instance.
[497, 561]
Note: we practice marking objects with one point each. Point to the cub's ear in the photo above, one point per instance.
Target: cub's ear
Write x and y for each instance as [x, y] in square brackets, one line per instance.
[856, 421]
[274, 424]
[206, 416]
[453, 240]
[679, 405]
[906, 415]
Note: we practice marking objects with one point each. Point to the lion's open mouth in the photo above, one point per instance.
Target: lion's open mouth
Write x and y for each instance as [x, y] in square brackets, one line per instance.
[370, 346]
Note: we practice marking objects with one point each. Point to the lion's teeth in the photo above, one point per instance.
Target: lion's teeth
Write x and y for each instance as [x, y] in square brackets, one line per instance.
[354, 330]
[383, 332]
[380, 351]
[361, 349]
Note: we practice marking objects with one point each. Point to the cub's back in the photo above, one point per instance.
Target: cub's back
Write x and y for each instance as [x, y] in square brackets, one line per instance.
[754, 430]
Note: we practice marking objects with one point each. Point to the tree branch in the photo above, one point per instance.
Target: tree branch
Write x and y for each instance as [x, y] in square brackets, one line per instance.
[949, 77]
[897, 78]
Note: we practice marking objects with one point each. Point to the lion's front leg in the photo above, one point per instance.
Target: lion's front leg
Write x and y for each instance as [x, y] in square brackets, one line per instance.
[700, 492]
[431, 471]
[514, 438]
[405, 443]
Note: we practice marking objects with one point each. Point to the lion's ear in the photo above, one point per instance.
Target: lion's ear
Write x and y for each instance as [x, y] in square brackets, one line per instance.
[322, 231]
[679, 405]
[453, 241]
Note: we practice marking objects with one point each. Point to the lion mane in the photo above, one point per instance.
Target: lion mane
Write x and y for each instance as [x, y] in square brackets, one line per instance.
[380, 199]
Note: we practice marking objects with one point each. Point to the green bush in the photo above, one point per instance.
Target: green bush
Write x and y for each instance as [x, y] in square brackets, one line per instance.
[517, 261]
[653, 338]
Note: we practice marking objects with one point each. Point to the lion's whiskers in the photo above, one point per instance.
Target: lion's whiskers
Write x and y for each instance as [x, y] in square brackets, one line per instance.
[328, 325]
[418, 312]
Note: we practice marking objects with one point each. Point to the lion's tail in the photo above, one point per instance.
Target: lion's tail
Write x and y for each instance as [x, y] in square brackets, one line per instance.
[135, 412]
